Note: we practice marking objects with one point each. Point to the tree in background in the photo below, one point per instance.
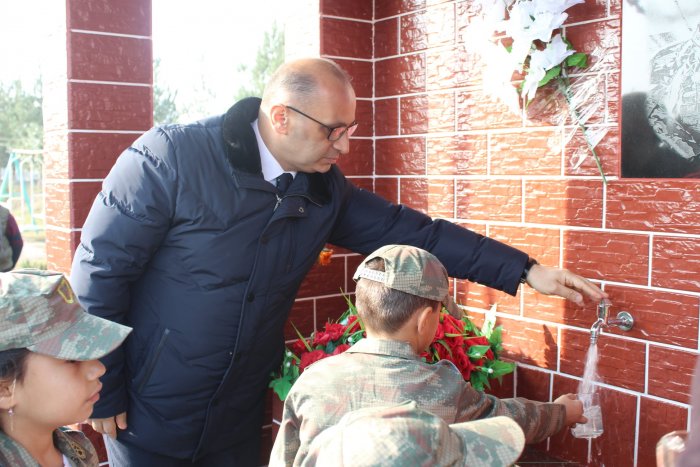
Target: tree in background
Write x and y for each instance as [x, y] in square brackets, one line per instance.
[270, 56]
[21, 121]
[164, 106]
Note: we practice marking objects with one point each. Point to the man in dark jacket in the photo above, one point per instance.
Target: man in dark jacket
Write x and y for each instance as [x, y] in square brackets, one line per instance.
[192, 244]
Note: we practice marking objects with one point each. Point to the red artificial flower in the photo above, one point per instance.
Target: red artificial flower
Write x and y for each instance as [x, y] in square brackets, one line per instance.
[321, 338]
[453, 339]
[440, 333]
[460, 358]
[298, 347]
[311, 357]
[455, 329]
[467, 371]
[335, 330]
[324, 258]
[340, 349]
[442, 352]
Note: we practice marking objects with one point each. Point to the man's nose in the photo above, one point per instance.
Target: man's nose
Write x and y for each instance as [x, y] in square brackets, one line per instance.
[343, 144]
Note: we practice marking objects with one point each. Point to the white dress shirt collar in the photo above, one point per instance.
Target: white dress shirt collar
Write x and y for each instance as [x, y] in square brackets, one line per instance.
[271, 169]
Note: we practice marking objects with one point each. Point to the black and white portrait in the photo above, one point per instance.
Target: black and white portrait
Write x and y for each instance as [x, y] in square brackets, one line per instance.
[661, 89]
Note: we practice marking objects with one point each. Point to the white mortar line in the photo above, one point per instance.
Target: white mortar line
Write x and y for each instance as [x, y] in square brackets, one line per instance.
[111, 83]
[350, 20]
[651, 258]
[636, 431]
[110, 34]
[559, 329]
[109, 132]
[646, 368]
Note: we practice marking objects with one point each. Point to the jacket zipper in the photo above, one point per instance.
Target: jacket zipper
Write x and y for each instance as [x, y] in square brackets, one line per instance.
[152, 363]
[279, 200]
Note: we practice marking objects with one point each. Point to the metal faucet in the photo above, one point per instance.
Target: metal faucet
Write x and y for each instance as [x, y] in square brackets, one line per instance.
[624, 320]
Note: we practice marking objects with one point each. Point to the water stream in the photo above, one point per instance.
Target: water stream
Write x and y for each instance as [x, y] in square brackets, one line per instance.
[588, 394]
[590, 371]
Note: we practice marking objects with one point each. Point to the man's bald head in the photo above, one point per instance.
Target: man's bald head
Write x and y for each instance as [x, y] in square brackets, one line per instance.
[301, 79]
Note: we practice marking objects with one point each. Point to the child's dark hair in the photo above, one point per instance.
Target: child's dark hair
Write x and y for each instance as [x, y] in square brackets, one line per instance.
[12, 365]
[385, 309]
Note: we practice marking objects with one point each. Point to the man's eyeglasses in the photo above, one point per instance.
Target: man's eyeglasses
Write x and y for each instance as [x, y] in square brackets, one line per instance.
[334, 133]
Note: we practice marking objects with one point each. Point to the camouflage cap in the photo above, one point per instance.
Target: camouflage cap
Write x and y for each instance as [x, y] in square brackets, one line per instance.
[39, 311]
[406, 435]
[412, 270]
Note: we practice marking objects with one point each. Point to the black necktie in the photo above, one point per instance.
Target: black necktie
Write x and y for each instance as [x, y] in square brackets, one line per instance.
[283, 182]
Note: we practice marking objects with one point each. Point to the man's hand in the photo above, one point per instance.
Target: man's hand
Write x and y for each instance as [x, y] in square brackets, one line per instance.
[574, 409]
[108, 426]
[553, 281]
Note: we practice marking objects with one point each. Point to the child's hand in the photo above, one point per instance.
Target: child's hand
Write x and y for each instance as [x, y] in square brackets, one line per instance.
[574, 408]
[108, 426]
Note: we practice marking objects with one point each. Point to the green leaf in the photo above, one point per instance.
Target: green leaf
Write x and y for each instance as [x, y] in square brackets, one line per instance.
[306, 344]
[478, 379]
[579, 60]
[550, 75]
[469, 326]
[500, 368]
[477, 351]
[281, 387]
[487, 328]
[435, 355]
[496, 340]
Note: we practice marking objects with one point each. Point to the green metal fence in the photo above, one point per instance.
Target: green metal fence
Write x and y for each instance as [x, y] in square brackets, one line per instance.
[22, 188]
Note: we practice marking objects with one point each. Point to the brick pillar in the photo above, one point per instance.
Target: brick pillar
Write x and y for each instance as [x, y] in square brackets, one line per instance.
[98, 98]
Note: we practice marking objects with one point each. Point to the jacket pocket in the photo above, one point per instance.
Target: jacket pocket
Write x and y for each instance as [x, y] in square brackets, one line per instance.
[152, 360]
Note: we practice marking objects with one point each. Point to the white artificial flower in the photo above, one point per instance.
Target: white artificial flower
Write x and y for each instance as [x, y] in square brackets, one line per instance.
[556, 6]
[528, 21]
[545, 22]
[532, 81]
[494, 10]
[497, 74]
[554, 53]
[541, 61]
[519, 21]
[519, 28]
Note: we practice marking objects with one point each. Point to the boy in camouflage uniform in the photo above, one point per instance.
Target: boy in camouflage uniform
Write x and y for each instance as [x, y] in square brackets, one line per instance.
[49, 373]
[406, 435]
[400, 290]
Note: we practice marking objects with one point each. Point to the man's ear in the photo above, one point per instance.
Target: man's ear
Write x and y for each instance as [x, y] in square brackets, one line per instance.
[278, 118]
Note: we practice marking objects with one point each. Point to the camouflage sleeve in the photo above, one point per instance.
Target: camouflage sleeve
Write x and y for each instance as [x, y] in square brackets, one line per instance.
[287, 441]
[539, 420]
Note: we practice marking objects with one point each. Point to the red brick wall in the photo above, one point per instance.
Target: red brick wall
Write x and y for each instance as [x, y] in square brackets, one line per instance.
[98, 100]
[438, 144]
